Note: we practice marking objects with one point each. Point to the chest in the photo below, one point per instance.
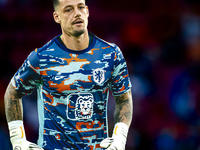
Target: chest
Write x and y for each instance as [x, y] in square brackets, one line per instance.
[72, 72]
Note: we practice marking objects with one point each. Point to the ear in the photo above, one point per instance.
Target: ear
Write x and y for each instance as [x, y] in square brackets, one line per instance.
[87, 11]
[56, 17]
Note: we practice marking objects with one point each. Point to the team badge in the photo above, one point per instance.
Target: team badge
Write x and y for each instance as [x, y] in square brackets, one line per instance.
[99, 75]
[80, 106]
[84, 107]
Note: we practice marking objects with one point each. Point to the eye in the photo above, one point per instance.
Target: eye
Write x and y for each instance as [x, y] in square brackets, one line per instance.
[80, 101]
[81, 7]
[68, 10]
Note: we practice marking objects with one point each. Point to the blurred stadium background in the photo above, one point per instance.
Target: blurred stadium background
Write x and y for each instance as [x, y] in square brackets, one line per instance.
[160, 40]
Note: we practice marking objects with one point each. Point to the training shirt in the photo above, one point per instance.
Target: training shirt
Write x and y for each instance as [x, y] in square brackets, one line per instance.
[72, 91]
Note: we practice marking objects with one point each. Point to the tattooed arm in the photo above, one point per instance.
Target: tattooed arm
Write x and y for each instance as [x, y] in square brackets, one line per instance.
[122, 116]
[14, 116]
[13, 104]
[124, 108]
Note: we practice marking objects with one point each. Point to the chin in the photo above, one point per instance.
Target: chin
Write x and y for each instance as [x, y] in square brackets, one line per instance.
[78, 33]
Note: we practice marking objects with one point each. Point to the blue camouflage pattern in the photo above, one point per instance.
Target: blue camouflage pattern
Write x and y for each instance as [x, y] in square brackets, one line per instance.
[72, 90]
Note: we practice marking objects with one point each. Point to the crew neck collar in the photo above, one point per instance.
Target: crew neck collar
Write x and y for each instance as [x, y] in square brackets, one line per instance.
[62, 46]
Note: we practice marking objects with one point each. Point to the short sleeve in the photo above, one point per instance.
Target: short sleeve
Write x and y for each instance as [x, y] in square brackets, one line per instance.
[27, 76]
[120, 82]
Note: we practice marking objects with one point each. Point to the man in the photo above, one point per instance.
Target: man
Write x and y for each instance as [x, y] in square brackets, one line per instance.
[72, 73]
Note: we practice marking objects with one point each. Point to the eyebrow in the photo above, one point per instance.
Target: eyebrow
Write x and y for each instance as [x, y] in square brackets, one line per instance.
[72, 5]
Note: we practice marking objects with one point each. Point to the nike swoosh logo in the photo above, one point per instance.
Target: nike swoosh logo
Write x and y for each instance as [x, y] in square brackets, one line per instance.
[59, 77]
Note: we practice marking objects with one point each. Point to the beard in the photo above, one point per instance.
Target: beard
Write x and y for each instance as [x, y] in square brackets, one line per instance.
[77, 33]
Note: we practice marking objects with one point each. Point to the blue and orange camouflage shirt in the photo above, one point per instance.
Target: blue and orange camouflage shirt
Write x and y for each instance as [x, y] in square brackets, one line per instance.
[72, 91]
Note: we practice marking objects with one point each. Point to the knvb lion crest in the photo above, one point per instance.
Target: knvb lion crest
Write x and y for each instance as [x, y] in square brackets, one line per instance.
[84, 107]
[80, 106]
[99, 75]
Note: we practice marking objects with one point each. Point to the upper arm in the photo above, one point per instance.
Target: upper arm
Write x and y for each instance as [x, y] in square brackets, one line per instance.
[120, 82]
[28, 75]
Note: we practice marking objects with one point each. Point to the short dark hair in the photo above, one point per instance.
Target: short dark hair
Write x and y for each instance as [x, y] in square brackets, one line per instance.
[55, 3]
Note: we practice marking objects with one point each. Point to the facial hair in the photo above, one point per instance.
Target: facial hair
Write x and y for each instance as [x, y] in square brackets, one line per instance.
[78, 33]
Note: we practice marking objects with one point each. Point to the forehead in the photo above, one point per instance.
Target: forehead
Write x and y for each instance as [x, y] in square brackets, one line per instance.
[71, 2]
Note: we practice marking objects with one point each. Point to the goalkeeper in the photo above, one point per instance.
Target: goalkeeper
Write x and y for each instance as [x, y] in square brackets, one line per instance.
[72, 74]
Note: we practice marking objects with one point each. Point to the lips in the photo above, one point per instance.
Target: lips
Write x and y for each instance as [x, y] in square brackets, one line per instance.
[77, 21]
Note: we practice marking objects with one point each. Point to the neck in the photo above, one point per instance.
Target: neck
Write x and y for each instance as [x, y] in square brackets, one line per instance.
[76, 43]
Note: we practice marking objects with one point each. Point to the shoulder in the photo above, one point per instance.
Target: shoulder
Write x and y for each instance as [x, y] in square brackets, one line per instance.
[105, 44]
[47, 45]
[33, 56]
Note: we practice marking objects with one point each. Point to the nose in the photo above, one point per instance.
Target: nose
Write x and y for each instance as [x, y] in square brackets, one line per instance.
[77, 13]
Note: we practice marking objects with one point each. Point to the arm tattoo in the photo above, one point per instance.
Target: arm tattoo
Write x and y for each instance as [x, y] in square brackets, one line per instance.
[13, 104]
[124, 108]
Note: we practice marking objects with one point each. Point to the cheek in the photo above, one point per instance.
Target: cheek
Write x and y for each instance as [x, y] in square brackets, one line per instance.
[65, 24]
[65, 19]
[86, 21]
